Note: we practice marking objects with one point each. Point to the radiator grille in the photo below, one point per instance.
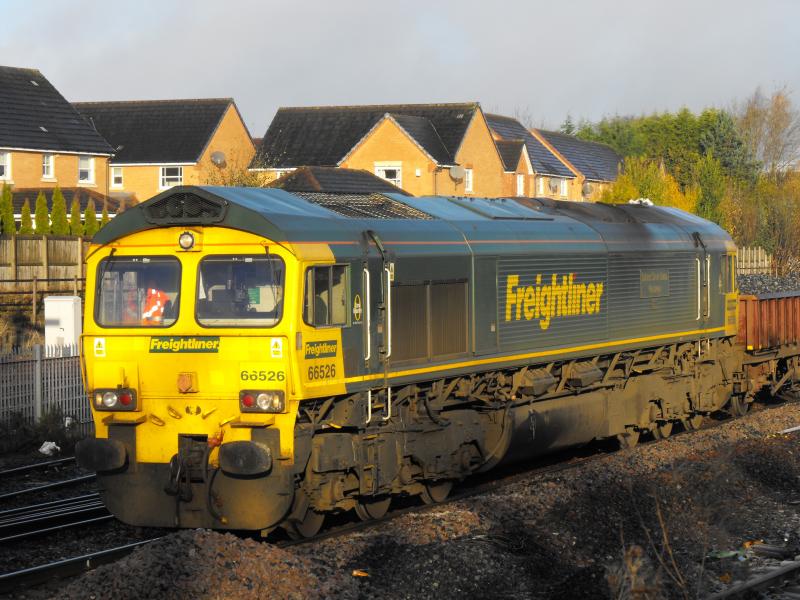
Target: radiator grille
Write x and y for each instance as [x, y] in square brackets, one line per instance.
[370, 206]
[185, 208]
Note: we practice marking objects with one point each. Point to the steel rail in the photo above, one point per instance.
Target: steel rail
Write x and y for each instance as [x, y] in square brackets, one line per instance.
[10, 512]
[761, 583]
[33, 467]
[67, 567]
[49, 486]
[28, 534]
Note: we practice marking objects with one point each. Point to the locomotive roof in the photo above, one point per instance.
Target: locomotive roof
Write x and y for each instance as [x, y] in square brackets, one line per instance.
[452, 224]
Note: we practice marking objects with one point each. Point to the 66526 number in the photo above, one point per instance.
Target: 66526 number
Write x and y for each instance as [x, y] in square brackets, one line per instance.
[321, 372]
[262, 375]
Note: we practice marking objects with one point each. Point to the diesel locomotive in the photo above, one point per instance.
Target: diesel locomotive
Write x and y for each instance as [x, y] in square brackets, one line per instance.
[258, 359]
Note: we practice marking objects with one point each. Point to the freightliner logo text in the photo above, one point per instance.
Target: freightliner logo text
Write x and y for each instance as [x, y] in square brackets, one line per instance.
[190, 344]
[321, 349]
[543, 300]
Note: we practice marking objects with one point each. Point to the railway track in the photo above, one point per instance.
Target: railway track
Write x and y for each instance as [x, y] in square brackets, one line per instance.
[48, 486]
[48, 464]
[479, 484]
[49, 517]
[780, 582]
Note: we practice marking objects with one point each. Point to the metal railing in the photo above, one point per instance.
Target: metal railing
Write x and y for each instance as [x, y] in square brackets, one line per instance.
[41, 379]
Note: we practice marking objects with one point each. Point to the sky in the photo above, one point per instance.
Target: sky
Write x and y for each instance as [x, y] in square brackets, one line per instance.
[539, 59]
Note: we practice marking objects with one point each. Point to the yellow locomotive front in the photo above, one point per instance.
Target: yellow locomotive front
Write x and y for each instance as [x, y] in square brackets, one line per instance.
[188, 365]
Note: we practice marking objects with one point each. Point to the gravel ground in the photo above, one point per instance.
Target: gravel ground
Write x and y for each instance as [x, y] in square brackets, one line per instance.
[767, 284]
[658, 518]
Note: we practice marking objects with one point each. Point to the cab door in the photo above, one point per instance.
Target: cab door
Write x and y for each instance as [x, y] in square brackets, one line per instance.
[703, 278]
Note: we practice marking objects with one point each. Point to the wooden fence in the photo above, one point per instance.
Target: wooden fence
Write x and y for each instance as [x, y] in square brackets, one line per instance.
[753, 260]
[41, 257]
[42, 379]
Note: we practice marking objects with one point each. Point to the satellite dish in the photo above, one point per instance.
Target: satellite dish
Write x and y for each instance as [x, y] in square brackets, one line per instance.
[218, 158]
[457, 173]
[554, 183]
[587, 188]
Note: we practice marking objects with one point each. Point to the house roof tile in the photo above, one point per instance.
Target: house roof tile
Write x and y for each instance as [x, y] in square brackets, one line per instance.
[596, 161]
[323, 136]
[156, 131]
[334, 180]
[544, 162]
[34, 115]
[510, 151]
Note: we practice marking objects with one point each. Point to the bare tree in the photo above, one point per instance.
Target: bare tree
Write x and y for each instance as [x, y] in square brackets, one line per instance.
[771, 128]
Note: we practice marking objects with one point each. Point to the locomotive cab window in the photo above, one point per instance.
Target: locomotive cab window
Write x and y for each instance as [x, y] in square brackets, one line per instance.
[240, 291]
[137, 291]
[325, 302]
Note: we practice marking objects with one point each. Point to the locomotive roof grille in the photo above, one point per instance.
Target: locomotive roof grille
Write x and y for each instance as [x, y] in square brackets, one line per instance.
[185, 208]
[370, 206]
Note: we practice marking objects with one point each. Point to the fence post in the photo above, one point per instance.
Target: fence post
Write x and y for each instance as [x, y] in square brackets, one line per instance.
[37, 383]
[34, 300]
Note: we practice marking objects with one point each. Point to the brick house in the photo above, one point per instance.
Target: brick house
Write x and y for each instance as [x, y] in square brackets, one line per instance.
[159, 144]
[596, 165]
[413, 146]
[44, 142]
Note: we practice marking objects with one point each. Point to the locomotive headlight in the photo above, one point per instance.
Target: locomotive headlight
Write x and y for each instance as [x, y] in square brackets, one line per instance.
[109, 399]
[115, 399]
[186, 240]
[269, 401]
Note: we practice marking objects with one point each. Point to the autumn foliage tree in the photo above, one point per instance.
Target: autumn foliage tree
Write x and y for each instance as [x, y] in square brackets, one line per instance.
[645, 178]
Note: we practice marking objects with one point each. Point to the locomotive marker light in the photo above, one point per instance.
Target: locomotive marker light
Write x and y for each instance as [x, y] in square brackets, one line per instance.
[265, 401]
[116, 399]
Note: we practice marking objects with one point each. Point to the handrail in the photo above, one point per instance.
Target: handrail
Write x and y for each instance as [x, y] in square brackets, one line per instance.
[367, 315]
[388, 313]
[699, 291]
[708, 285]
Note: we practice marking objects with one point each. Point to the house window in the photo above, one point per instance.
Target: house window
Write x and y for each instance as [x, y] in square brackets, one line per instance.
[171, 176]
[563, 187]
[391, 172]
[468, 181]
[116, 177]
[85, 169]
[47, 166]
[5, 166]
[520, 184]
[540, 186]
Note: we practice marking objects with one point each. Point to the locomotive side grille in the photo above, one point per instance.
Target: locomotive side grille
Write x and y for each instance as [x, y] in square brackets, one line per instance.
[410, 315]
[449, 318]
[184, 208]
[361, 206]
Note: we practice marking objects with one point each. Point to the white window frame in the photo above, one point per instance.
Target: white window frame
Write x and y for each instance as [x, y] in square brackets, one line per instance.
[563, 189]
[382, 167]
[121, 183]
[90, 170]
[6, 163]
[167, 181]
[540, 186]
[468, 181]
[48, 166]
[520, 184]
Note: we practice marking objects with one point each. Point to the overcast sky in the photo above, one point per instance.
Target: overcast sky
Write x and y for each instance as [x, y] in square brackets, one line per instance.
[545, 58]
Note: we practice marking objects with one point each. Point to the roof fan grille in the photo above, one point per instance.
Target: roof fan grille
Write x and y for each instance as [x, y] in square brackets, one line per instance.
[185, 208]
[365, 206]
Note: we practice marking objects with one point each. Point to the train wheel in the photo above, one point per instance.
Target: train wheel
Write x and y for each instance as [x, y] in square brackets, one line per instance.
[662, 431]
[434, 493]
[308, 527]
[693, 423]
[628, 439]
[373, 509]
[739, 406]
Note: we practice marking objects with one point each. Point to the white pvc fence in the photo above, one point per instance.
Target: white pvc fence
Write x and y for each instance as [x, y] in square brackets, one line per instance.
[36, 381]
